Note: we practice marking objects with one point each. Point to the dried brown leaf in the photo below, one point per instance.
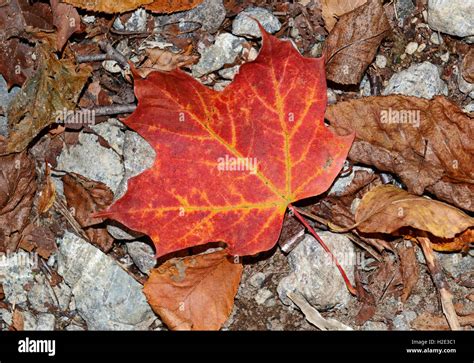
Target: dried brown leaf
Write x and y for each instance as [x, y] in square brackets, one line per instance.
[164, 60]
[387, 209]
[85, 197]
[427, 143]
[468, 66]
[55, 86]
[38, 238]
[332, 10]
[196, 292]
[353, 43]
[172, 6]
[409, 269]
[112, 6]
[66, 20]
[17, 191]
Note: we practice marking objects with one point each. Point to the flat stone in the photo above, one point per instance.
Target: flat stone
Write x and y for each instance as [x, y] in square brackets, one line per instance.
[454, 17]
[315, 276]
[142, 256]
[106, 296]
[419, 80]
[244, 25]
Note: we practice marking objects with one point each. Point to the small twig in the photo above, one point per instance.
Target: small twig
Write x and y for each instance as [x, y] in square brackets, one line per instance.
[114, 54]
[86, 58]
[351, 289]
[440, 283]
[112, 109]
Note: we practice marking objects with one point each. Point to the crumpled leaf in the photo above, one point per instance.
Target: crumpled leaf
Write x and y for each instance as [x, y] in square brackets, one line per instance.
[352, 44]
[85, 197]
[430, 149]
[468, 66]
[229, 163]
[55, 86]
[17, 191]
[122, 6]
[38, 238]
[195, 292]
[332, 10]
[16, 60]
[164, 60]
[387, 209]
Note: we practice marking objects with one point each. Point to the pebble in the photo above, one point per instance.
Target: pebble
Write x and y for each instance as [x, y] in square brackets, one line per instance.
[136, 22]
[380, 61]
[142, 255]
[106, 296]
[209, 15]
[411, 48]
[315, 276]
[229, 73]
[454, 17]
[419, 80]
[262, 296]
[225, 50]
[402, 321]
[257, 279]
[244, 25]
[436, 39]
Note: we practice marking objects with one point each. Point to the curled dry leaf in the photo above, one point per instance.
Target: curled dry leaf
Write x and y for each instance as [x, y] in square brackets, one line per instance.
[156, 6]
[352, 44]
[40, 239]
[468, 66]
[85, 197]
[16, 61]
[195, 292]
[427, 143]
[55, 86]
[240, 155]
[47, 195]
[164, 61]
[17, 191]
[426, 321]
[66, 20]
[387, 209]
[333, 9]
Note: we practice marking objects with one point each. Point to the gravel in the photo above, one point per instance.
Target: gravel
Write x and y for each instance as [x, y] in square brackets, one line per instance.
[225, 50]
[136, 22]
[402, 321]
[16, 273]
[106, 296]
[315, 276]
[419, 80]
[244, 25]
[209, 14]
[454, 17]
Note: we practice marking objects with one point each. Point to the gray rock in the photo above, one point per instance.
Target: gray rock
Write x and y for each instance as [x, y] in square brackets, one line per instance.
[315, 276]
[364, 88]
[244, 25]
[402, 321]
[229, 73]
[419, 80]
[469, 107]
[136, 22]
[6, 316]
[257, 279]
[436, 39]
[374, 325]
[138, 156]
[113, 131]
[5, 99]
[106, 296]
[454, 17]
[464, 86]
[16, 271]
[209, 14]
[225, 50]
[456, 264]
[42, 296]
[90, 159]
[45, 322]
[404, 9]
[262, 296]
[380, 61]
[142, 255]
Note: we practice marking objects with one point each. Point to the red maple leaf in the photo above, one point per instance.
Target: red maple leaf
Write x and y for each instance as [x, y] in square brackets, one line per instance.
[229, 163]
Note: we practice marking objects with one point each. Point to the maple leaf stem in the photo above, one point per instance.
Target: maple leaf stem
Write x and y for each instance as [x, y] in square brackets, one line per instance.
[311, 230]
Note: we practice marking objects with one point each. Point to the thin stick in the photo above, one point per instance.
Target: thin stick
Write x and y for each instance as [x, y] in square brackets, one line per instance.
[351, 289]
[440, 283]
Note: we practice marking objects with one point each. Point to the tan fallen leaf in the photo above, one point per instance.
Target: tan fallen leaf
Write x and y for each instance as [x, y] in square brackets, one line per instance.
[195, 292]
[332, 10]
[164, 60]
[387, 209]
[122, 6]
[426, 143]
[352, 44]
